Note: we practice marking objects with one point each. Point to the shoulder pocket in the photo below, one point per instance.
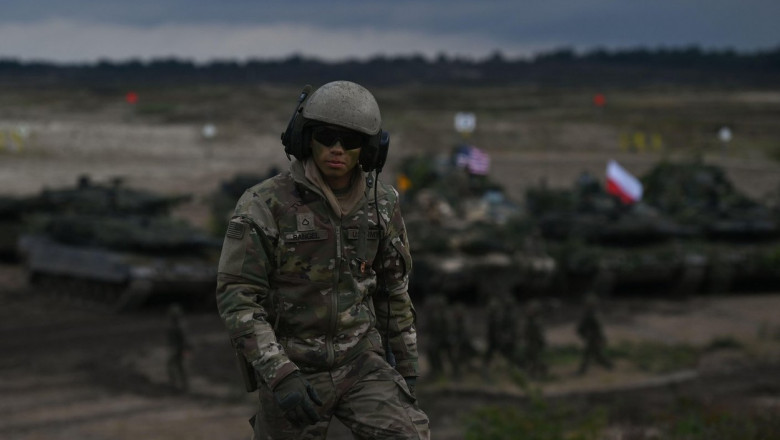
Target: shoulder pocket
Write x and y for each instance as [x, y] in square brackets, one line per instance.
[237, 238]
[403, 251]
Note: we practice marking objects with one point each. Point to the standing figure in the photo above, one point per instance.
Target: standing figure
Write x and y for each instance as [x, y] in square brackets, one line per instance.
[590, 330]
[313, 277]
[502, 330]
[462, 347]
[534, 341]
[439, 330]
[178, 349]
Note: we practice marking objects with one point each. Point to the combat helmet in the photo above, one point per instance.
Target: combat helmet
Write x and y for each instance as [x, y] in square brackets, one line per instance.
[342, 103]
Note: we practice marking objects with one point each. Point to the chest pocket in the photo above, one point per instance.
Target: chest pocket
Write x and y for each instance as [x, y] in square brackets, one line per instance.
[361, 261]
[306, 248]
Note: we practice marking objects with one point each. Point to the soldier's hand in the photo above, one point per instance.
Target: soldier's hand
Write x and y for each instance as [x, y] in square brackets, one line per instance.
[296, 397]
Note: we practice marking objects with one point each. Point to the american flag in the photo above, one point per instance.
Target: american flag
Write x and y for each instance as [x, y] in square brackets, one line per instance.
[474, 160]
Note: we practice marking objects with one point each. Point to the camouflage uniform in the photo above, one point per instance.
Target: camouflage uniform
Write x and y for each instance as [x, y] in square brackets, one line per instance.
[535, 342]
[463, 350]
[439, 329]
[502, 334]
[590, 330]
[178, 346]
[297, 290]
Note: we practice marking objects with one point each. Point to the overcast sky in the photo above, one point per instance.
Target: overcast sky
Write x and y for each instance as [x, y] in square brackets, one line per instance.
[89, 30]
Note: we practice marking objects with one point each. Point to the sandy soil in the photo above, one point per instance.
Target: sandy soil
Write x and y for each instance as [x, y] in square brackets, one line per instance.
[67, 372]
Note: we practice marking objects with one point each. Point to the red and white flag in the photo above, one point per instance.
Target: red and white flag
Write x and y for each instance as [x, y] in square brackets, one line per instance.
[623, 184]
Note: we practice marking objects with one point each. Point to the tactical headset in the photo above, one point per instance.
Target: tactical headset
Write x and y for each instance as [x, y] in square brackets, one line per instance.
[297, 139]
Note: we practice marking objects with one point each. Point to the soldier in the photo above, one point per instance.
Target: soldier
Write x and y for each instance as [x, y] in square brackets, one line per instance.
[313, 277]
[534, 341]
[439, 330]
[590, 331]
[462, 348]
[178, 349]
[502, 334]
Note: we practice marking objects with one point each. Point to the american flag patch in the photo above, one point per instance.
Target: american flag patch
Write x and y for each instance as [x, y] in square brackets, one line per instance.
[235, 230]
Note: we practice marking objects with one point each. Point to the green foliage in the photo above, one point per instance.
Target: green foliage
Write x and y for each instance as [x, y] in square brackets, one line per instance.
[156, 109]
[563, 355]
[723, 342]
[656, 357]
[540, 420]
[690, 420]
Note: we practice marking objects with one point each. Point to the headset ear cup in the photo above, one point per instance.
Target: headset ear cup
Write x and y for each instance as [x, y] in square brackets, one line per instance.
[382, 150]
[286, 137]
[296, 143]
[292, 138]
[374, 155]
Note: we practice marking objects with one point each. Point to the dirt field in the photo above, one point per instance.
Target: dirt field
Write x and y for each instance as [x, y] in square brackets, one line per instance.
[72, 373]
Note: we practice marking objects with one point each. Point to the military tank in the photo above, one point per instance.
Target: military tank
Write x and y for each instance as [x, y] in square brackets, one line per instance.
[12, 212]
[120, 262]
[605, 246]
[739, 237]
[89, 197]
[469, 241]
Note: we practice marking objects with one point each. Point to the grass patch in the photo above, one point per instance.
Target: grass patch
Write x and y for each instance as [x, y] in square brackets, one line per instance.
[540, 420]
[655, 357]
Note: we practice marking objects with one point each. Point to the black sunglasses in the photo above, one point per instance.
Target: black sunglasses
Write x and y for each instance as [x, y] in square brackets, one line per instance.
[328, 136]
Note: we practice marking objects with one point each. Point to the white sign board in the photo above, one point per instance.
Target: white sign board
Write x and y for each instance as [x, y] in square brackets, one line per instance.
[465, 122]
[209, 131]
[724, 134]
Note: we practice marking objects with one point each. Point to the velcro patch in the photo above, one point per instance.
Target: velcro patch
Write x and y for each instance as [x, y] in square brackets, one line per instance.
[354, 234]
[236, 230]
[319, 234]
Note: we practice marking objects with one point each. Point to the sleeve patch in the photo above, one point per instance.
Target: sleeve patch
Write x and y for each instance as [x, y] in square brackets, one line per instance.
[235, 230]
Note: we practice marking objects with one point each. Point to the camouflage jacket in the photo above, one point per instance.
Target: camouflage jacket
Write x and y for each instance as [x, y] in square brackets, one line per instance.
[297, 286]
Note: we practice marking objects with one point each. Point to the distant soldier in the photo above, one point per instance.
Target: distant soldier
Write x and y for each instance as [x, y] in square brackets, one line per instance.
[534, 341]
[463, 350]
[439, 330]
[502, 334]
[591, 332]
[178, 349]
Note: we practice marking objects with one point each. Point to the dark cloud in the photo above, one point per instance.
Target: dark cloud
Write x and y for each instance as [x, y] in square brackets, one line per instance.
[511, 26]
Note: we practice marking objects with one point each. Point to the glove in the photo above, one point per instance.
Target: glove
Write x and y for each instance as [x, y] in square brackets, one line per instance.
[295, 396]
[410, 383]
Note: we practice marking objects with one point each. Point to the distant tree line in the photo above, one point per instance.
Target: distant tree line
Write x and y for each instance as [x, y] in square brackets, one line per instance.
[562, 67]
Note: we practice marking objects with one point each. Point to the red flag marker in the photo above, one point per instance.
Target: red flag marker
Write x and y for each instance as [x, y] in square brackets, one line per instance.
[131, 97]
[599, 100]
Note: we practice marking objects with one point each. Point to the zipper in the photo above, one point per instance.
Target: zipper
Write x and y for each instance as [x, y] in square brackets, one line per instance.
[334, 295]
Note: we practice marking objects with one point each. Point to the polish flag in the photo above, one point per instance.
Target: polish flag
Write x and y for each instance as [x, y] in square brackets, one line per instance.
[623, 184]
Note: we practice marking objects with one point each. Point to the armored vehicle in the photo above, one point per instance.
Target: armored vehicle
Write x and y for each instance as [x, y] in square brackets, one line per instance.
[738, 237]
[120, 262]
[12, 212]
[469, 242]
[112, 198]
[603, 245]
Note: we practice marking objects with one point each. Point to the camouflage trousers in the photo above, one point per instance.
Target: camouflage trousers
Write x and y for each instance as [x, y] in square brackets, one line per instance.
[367, 395]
